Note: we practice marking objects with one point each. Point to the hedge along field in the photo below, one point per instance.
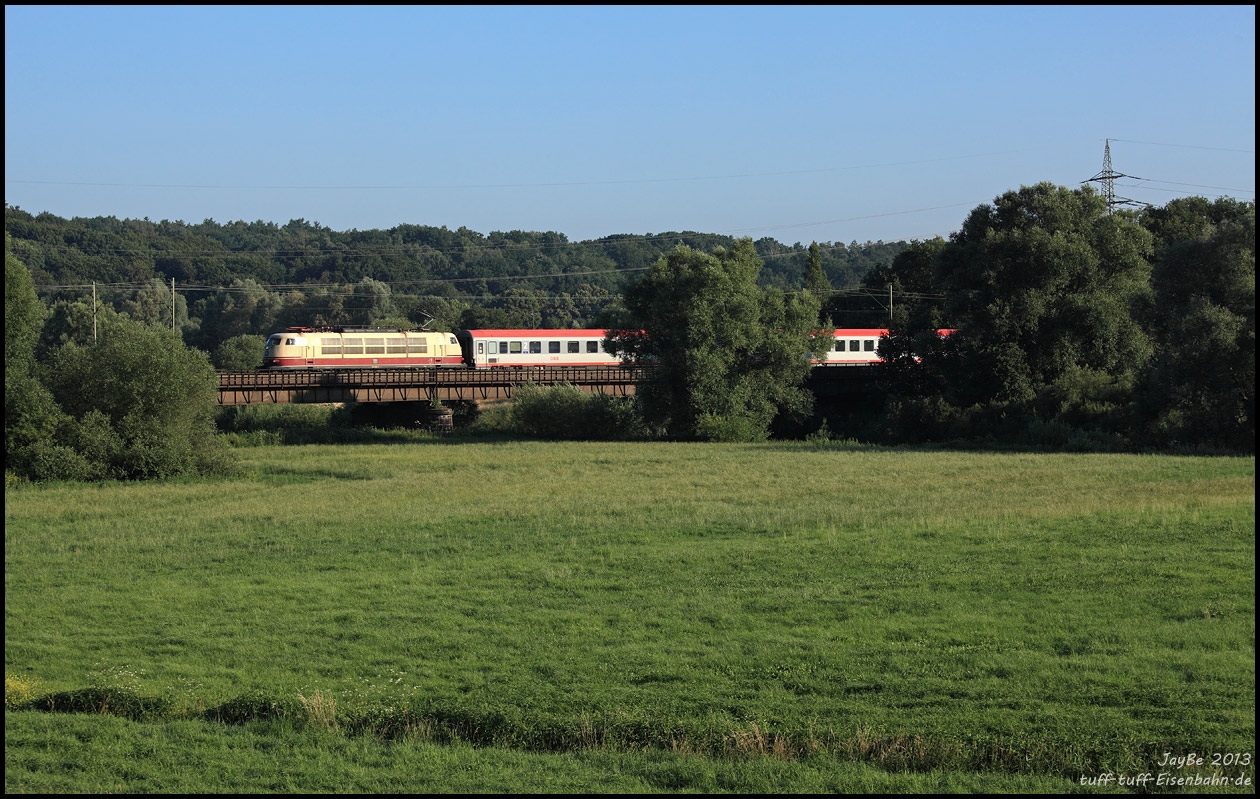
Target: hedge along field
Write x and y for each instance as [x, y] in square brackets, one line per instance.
[1056, 616]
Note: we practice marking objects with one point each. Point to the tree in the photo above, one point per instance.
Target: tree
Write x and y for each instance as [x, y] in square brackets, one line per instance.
[239, 353]
[370, 300]
[912, 275]
[816, 281]
[134, 403]
[23, 315]
[31, 416]
[1046, 292]
[480, 318]
[559, 311]
[1201, 386]
[141, 402]
[523, 306]
[243, 308]
[1042, 284]
[728, 355]
[151, 305]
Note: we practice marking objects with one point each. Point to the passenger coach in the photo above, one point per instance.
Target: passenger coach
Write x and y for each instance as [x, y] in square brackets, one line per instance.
[488, 349]
[853, 346]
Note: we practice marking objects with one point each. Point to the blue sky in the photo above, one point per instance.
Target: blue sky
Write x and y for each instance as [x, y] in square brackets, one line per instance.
[829, 124]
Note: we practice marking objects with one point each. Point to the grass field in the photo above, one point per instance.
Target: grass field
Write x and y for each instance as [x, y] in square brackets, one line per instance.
[444, 616]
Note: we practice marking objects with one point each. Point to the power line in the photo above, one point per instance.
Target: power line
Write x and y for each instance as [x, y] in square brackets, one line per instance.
[1194, 185]
[858, 218]
[1186, 146]
[1153, 188]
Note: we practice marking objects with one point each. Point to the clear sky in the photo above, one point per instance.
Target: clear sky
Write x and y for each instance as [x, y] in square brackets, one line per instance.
[815, 123]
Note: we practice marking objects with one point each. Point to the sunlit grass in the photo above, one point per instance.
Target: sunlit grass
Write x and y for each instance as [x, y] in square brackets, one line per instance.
[1050, 615]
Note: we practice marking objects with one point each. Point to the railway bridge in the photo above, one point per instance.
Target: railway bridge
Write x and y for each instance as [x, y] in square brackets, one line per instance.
[414, 385]
[276, 387]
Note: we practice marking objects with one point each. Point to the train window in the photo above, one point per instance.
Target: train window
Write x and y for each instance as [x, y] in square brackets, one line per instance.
[418, 345]
[575, 347]
[514, 347]
[553, 347]
[396, 346]
[839, 345]
[854, 345]
[592, 346]
[290, 341]
[494, 347]
[869, 345]
[535, 347]
[374, 346]
[330, 346]
[352, 346]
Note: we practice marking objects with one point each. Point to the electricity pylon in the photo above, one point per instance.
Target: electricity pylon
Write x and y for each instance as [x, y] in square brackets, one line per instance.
[1107, 177]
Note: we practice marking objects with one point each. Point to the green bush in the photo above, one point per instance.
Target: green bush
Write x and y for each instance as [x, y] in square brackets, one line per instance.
[730, 429]
[919, 419]
[564, 411]
[114, 701]
[137, 404]
[252, 706]
[275, 418]
[49, 462]
[31, 419]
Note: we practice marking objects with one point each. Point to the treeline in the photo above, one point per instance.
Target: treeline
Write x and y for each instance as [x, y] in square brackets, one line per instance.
[251, 278]
[115, 399]
[1077, 328]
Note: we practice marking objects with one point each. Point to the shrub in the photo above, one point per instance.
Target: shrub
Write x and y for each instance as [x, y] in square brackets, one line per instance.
[142, 405]
[564, 411]
[48, 462]
[252, 706]
[115, 701]
[711, 427]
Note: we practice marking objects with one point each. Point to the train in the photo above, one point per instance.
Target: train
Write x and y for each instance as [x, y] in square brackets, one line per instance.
[379, 348]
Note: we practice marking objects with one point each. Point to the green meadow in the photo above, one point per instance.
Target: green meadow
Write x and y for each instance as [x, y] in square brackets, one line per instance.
[460, 616]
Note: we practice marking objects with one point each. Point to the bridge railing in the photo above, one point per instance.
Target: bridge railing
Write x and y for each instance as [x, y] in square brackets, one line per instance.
[418, 385]
[404, 385]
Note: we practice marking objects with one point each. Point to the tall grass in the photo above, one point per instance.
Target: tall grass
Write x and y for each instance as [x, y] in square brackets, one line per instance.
[1051, 616]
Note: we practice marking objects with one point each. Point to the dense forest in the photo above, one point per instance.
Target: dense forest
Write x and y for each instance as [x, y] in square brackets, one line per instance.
[251, 278]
